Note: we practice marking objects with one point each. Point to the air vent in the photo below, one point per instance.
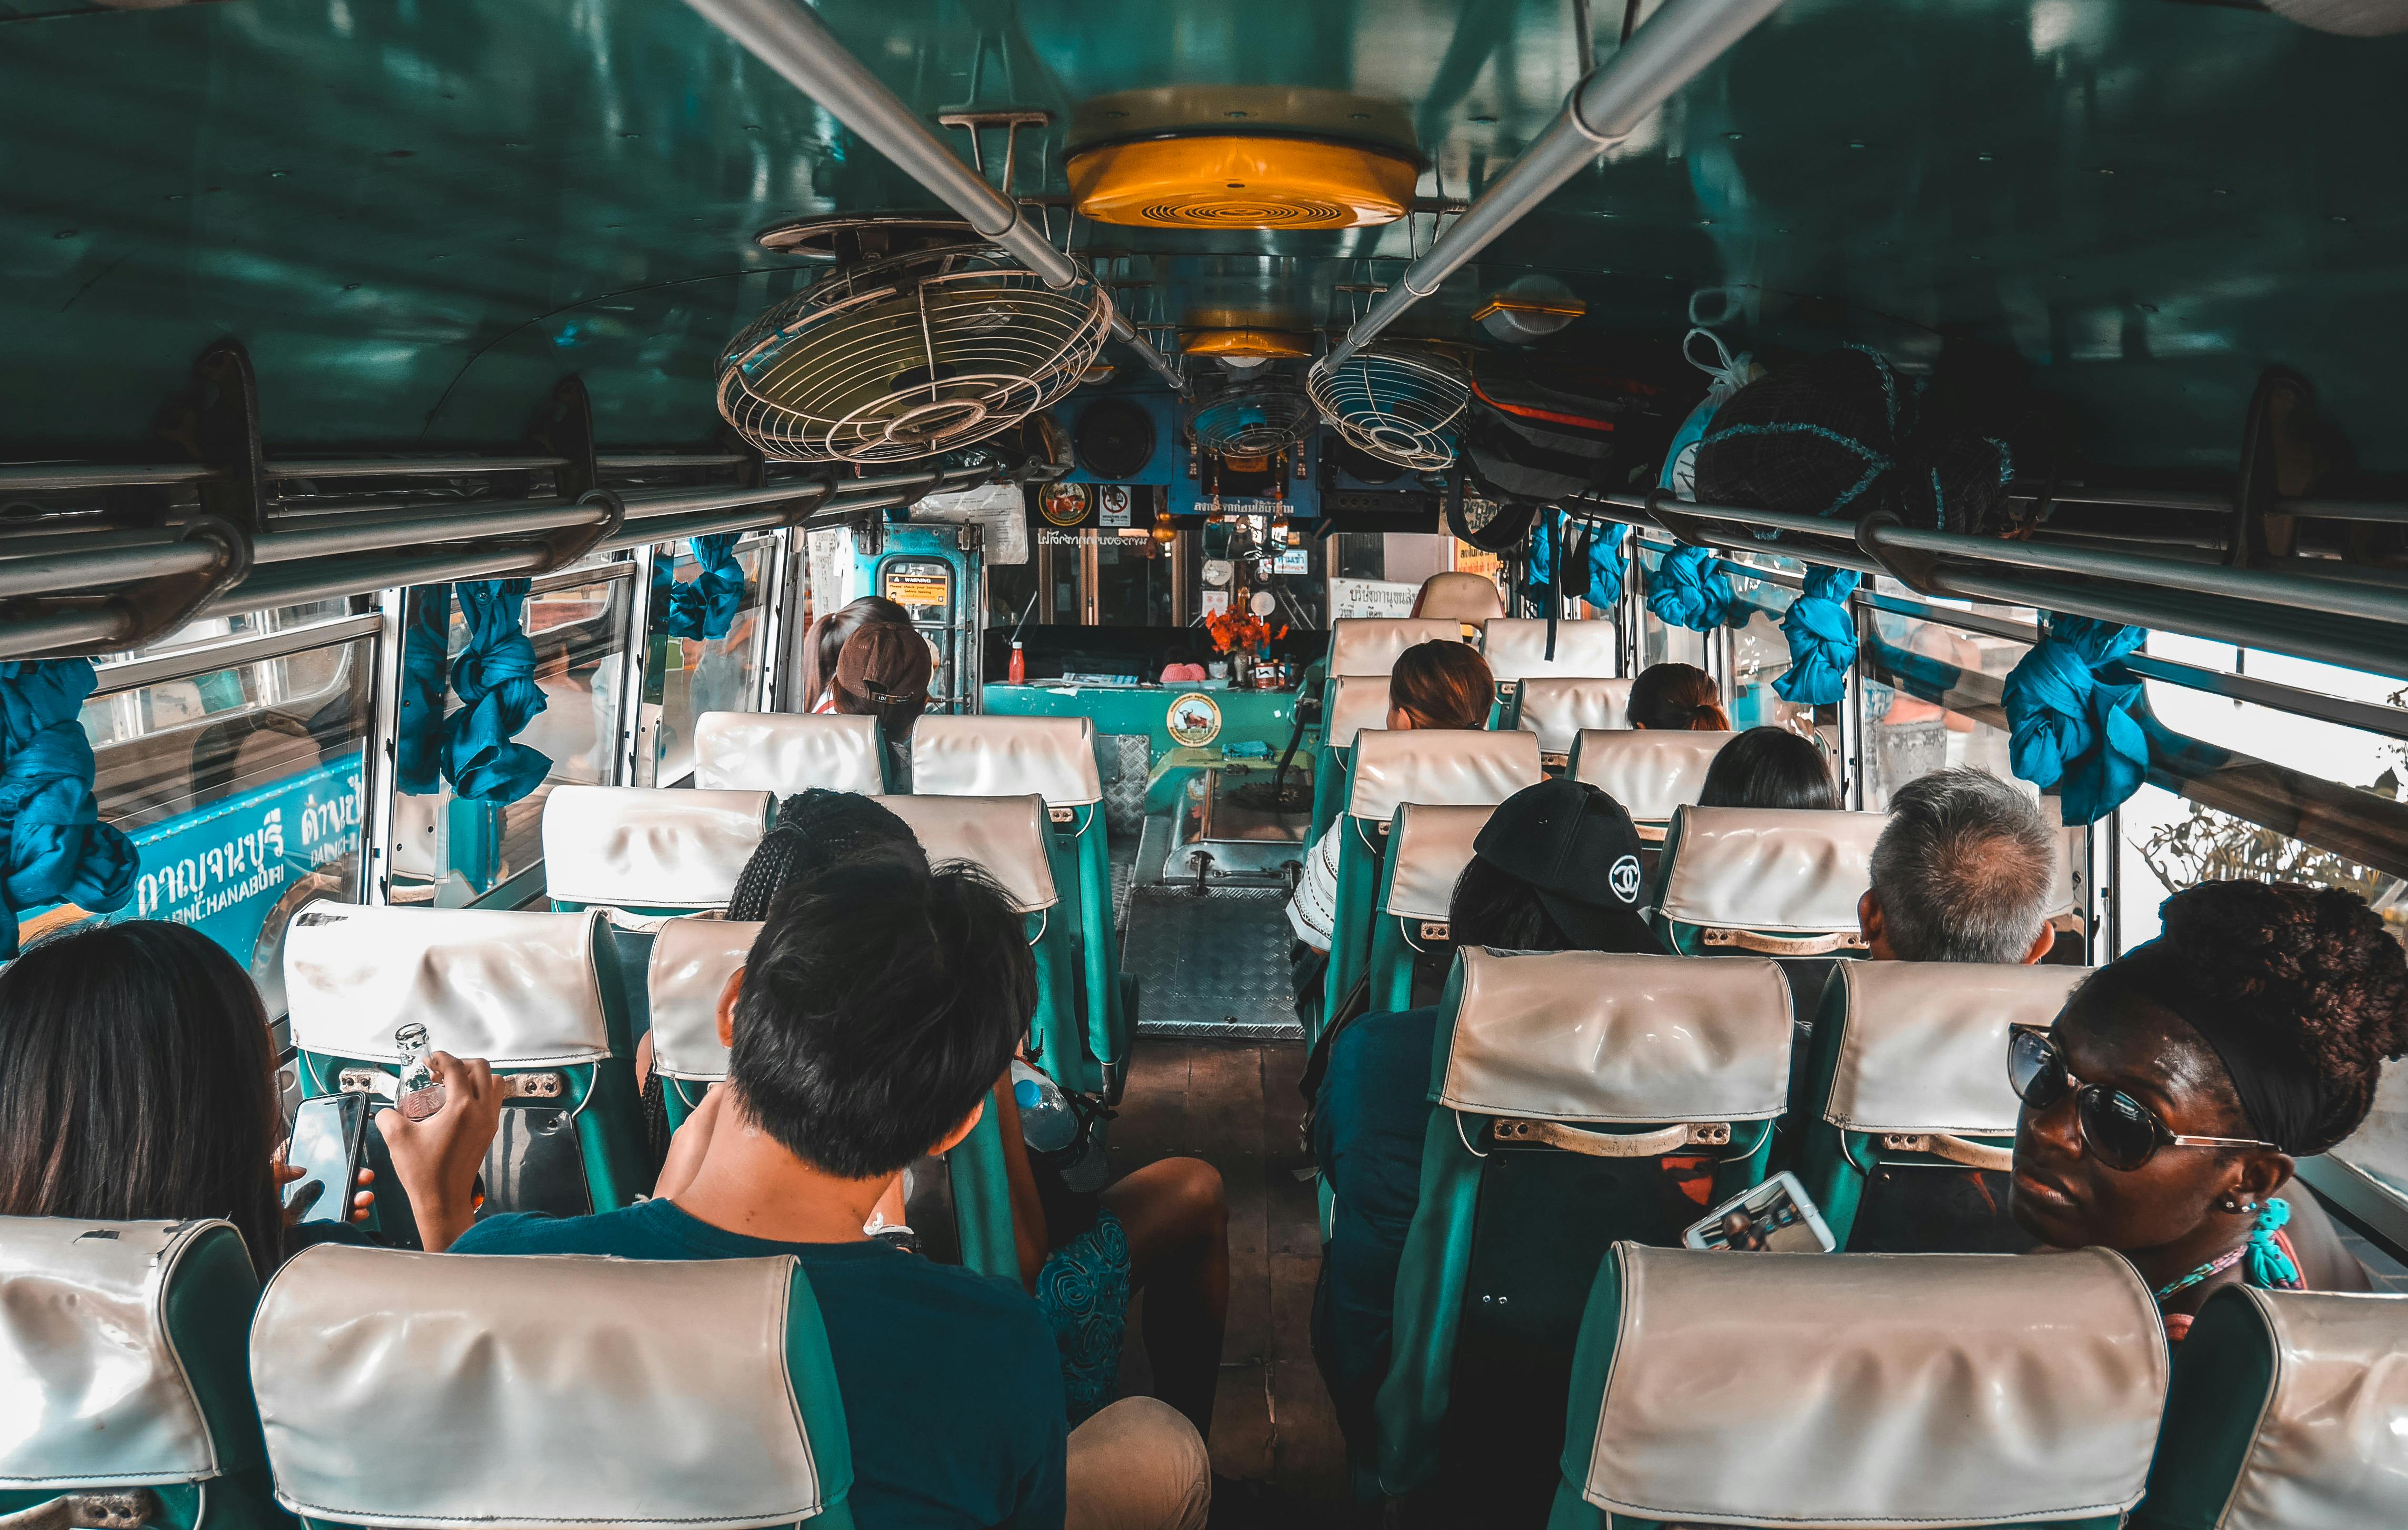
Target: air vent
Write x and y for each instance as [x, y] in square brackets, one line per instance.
[1241, 183]
[1114, 438]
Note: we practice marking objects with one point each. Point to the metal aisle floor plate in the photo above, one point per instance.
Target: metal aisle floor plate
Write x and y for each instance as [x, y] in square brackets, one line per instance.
[1214, 966]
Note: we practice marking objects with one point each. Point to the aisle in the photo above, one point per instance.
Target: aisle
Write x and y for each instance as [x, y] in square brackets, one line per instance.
[1235, 1105]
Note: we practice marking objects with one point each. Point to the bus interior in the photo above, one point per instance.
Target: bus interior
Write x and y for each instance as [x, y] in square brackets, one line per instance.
[434, 434]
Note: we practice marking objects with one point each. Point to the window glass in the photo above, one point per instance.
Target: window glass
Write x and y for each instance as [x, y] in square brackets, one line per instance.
[448, 850]
[1133, 580]
[2171, 843]
[211, 629]
[688, 676]
[240, 788]
[1907, 734]
[1658, 641]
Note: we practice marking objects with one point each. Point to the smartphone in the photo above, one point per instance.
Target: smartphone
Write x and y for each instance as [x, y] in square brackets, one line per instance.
[328, 1138]
[1775, 1217]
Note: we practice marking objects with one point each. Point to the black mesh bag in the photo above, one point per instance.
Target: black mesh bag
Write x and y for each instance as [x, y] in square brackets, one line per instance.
[1843, 436]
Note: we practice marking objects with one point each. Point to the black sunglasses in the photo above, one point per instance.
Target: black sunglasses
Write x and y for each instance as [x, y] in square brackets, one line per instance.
[2117, 1129]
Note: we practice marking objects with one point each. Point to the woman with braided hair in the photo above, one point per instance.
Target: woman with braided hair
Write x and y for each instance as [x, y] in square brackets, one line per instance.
[2165, 1110]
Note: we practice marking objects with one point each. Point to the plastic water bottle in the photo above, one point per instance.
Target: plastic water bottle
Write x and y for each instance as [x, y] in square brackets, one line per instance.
[420, 1094]
[1046, 1123]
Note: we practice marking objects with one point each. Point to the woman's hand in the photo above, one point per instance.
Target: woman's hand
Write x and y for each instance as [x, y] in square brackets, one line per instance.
[363, 1204]
[690, 1145]
[437, 1159]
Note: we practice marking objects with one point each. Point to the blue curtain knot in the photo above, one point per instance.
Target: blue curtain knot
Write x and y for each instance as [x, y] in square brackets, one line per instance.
[1822, 639]
[57, 849]
[1691, 589]
[2070, 728]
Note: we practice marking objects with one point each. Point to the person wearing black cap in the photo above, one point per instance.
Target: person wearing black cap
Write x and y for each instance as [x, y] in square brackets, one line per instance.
[2165, 1110]
[1556, 868]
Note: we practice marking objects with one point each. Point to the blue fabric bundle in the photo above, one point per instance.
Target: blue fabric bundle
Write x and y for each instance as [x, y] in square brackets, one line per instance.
[706, 607]
[1692, 588]
[2072, 730]
[417, 743]
[58, 849]
[1822, 639]
[495, 680]
[1600, 583]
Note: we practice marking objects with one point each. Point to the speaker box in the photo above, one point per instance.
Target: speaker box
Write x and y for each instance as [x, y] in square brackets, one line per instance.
[1119, 437]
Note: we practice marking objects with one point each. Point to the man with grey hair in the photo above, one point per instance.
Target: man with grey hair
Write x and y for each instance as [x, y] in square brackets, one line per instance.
[1964, 871]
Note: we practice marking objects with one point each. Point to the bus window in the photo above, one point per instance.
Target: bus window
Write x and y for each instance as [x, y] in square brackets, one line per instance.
[1906, 734]
[241, 790]
[449, 851]
[1659, 642]
[688, 676]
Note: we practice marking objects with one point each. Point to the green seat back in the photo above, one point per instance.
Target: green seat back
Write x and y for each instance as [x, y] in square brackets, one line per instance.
[1052, 758]
[649, 852]
[1580, 1098]
[1428, 848]
[1880, 1391]
[785, 752]
[535, 994]
[548, 1390]
[2290, 1411]
[1350, 704]
[1433, 767]
[122, 1365]
[1906, 1123]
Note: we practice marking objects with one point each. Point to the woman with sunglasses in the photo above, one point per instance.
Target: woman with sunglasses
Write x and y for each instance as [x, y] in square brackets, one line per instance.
[2164, 1111]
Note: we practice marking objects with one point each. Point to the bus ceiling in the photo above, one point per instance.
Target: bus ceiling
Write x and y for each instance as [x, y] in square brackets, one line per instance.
[388, 234]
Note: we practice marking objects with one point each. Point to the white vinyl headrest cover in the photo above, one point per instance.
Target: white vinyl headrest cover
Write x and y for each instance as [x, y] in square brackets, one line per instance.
[1772, 870]
[1426, 854]
[2331, 1449]
[1559, 709]
[91, 1390]
[517, 989]
[1516, 648]
[506, 1391]
[1586, 1036]
[1368, 645]
[1437, 768]
[784, 753]
[1923, 1044]
[1653, 773]
[1053, 757]
[1007, 836]
[692, 960]
[1882, 1390]
[1355, 702]
[1459, 595]
[650, 848]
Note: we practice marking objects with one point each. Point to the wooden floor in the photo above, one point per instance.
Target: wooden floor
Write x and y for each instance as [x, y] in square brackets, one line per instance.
[1235, 1105]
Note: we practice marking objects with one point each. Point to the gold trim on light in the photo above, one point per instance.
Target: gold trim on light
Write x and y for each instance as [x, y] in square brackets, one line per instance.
[1266, 343]
[1503, 304]
[1226, 181]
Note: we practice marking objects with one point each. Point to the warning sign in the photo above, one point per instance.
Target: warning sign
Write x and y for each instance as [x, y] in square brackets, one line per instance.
[919, 585]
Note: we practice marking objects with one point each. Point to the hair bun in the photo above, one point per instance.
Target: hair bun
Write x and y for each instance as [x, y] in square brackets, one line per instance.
[2315, 966]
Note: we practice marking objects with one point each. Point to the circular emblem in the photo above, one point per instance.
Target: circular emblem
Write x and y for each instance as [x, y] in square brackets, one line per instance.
[1063, 504]
[1625, 879]
[1194, 720]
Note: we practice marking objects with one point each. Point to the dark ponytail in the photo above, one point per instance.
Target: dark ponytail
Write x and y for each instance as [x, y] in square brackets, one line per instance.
[1675, 697]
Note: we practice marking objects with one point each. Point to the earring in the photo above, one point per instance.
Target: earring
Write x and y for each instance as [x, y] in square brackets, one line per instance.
[2232, 1205]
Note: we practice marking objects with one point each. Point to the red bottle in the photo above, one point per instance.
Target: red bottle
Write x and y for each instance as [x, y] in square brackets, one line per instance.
[1018, 671]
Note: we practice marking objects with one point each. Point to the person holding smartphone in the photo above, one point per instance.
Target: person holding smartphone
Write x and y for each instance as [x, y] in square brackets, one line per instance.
[137, 1082]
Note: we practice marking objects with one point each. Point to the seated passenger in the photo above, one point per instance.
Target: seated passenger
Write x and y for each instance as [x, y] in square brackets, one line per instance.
[883, 673]
[878, 1007]
[829, 636]
[1434, 685]
[1964, 871]
[1542, 877]
[1769, 767]
[137, 1082]
[1674, 698]
[2164, 1112]
[1162, 1229]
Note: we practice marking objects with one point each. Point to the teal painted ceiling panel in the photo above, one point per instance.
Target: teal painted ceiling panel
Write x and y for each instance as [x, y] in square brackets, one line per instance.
[419, 213]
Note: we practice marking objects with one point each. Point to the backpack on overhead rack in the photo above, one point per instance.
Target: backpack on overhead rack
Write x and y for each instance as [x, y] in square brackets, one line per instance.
[1541, 432]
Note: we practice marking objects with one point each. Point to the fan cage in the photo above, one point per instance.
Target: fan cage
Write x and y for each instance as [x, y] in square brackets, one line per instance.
[1251, 422]
[908, 357]
[1395, 406]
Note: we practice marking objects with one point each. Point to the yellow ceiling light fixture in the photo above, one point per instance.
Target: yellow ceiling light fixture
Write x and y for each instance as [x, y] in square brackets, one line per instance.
[1249, 181]
[1246, 344]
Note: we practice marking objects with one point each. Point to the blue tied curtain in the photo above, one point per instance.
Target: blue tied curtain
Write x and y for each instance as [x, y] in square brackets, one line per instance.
[1822, 639]
[418, 745]
[1691, 589]
[2070, 729]
[495, 680]
[58, 849]
[1600, 583]
[706, 607]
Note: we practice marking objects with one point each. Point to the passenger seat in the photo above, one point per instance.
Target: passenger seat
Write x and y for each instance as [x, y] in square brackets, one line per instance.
[1866, 1389]
[1583, 1098]
[784, 753]
[1427, 850]
[1907, 1127]
[649, 852]
[2288, 1411]
[1355, 702]
[456, 1393]
[1652, 772]
[523, 991]
[1560, 708]
[1517, 651]
[123, 1372]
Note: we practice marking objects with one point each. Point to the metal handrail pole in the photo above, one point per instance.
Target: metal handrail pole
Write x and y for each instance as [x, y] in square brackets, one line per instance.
[380, 467]
[393, 535]
[44, 574]
[29, 477]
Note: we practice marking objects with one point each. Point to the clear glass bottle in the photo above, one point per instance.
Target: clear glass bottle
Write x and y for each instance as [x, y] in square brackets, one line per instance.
[421, 1094]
